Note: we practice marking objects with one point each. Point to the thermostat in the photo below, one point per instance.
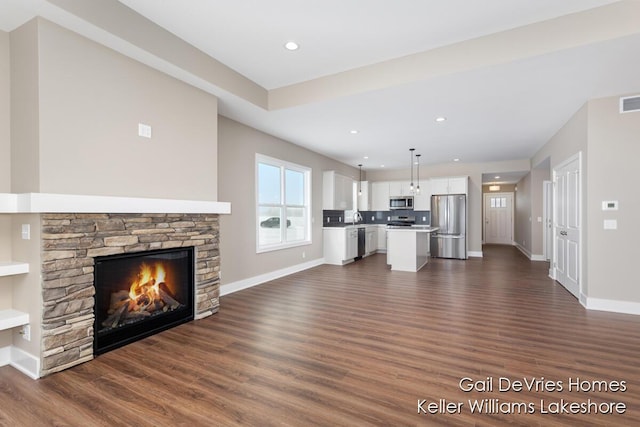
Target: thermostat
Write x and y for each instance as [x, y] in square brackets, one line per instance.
[611, 205]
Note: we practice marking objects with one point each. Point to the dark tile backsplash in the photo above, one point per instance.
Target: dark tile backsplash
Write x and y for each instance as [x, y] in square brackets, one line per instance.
[337, 218]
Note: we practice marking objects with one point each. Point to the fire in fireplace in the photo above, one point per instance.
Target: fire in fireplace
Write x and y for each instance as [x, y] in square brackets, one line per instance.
[140, 294]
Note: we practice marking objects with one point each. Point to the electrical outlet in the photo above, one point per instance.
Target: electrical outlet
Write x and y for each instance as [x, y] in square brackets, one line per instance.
[26, 332]
[304, 255]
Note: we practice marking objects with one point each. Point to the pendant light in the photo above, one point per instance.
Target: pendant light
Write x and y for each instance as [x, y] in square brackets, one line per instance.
[418, 173]
[411, 150]
[360, 181]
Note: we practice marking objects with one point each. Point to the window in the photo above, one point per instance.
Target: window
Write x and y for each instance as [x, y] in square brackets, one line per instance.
[283, 202]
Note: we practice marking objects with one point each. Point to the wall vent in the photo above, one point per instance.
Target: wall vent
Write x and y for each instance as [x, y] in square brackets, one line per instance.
[629, 104]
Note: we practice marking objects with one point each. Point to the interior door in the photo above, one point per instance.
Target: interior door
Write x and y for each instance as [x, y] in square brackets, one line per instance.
[498, 218]
[567, 225]
[547, 219]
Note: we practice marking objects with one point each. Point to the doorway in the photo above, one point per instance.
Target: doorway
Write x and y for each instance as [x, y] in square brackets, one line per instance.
[498, 218]
[567, 223]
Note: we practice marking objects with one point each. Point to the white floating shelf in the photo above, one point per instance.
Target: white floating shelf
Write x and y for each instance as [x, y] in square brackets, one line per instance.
[12, 318]
[11, 268]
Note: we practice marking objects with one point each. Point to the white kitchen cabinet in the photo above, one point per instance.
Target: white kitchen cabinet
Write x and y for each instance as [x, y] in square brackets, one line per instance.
[371, 239]
[380, 196]
[400, 188]
[450, 185]
[340, 245]
[352, 244]
[364, 201]
[382, 238]
[422, 200]
[337, 191]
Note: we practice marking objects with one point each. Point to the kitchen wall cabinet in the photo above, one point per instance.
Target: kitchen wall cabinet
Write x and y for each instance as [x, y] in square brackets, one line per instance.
[450, 185]
[422, 200]
[380, 196]
[400, 188]
[364, 201]
[337, 191]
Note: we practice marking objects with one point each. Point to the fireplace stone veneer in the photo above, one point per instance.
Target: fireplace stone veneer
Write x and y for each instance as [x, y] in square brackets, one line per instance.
[69, 244]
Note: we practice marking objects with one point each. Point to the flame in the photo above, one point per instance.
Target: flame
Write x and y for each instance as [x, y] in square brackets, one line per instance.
[147, 281]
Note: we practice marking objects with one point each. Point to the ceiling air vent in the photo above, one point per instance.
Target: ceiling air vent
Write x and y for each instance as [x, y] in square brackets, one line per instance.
[629, 104]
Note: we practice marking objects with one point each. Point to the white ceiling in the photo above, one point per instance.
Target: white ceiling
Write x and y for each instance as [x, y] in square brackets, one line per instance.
[501, 111]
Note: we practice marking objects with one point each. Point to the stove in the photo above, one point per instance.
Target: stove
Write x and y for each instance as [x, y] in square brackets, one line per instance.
[402, 221]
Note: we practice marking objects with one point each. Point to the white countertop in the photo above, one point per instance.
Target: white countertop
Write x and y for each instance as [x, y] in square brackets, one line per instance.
[352, 226]
[414, 228]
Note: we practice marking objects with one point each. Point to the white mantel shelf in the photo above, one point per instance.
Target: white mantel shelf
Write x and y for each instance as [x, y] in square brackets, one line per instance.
[73, 203]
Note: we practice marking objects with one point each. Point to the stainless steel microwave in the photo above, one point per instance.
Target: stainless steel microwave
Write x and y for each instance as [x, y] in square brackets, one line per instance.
[404, 202]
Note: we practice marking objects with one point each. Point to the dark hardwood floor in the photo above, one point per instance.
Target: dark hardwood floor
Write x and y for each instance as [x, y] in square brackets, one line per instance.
[357, 345]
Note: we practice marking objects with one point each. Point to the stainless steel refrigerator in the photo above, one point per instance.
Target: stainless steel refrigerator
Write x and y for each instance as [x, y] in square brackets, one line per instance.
[449, 213]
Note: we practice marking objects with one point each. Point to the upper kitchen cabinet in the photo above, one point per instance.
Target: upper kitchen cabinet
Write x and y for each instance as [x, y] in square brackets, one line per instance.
[450, 185]
[364, 195]
[337, 191]
[422, 200]
[400, 188]
[379, 196]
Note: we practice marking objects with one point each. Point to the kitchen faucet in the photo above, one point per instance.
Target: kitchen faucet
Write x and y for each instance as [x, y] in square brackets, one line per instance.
[357, 217]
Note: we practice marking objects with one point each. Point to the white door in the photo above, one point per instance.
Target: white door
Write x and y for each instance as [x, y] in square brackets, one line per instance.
[547, 219]
[567, 224]
[498, 218]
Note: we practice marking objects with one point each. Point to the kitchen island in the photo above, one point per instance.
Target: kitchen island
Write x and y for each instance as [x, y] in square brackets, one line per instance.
[408, 247]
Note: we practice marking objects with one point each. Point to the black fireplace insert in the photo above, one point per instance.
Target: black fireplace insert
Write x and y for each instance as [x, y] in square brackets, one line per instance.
[140, 294]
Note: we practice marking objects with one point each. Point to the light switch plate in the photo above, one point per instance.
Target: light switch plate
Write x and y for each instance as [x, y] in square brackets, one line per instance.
[144, 130]
[610, 224]
[26, 231]
[610, 205]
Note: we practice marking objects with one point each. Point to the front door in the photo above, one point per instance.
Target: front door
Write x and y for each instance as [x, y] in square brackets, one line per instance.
[567, 224]
[498, 218]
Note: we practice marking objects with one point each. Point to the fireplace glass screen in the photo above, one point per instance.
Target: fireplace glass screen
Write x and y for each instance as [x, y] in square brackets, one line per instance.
[140, 294]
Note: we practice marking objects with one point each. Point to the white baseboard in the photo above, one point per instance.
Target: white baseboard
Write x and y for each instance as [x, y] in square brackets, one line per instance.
[532, 257]
[476, 254]
[624, 307]
[256, 280]
[20, 360]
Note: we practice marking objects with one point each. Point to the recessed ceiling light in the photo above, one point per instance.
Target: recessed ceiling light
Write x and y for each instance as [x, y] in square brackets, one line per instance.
[456, 160]
[353, 131]
[440, 119]
[291, 46]
[365, 157]
[496, 177]
[381, 166]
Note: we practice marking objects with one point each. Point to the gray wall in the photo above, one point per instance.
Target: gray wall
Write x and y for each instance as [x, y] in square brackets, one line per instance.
[614, 150]
[5, 178]
[522, 220]
[609, 143]
[237, 146]
[569, 140]
[90, 100]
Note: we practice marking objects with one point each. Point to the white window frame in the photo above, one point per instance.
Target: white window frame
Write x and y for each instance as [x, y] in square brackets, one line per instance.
[283, 165]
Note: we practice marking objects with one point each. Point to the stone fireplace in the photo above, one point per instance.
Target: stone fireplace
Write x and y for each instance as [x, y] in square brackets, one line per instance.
[71, 242]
